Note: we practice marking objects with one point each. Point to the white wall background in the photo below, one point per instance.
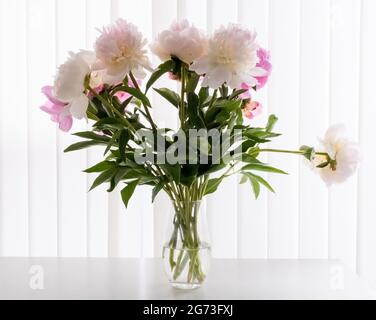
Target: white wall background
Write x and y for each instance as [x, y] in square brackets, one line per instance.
[323, 53]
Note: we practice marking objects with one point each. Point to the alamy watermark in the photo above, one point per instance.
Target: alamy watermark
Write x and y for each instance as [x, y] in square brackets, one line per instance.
[337, 277]
[191, 147]
[36, 281]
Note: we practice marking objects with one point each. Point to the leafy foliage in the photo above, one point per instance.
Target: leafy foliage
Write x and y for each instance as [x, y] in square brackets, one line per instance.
[116, 124]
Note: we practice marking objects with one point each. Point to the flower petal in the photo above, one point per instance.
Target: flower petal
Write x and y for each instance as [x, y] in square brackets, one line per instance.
[48, 92]
[65, 123]
[78, 107]
[258, 72]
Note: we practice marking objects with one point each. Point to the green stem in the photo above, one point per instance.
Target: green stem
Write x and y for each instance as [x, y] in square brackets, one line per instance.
[116, 111]
[182, 104]
[92, 116]
[213, 98]
[134, 81]
[292, 152]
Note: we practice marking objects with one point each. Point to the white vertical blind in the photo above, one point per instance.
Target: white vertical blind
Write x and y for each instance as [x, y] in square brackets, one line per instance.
[72, 188]
[98, 13]
[366, 253]
[14, 129]
[344, 108]
[323, 58]
[41, 134]
[283, 100]
[252, 213]
[313, 120]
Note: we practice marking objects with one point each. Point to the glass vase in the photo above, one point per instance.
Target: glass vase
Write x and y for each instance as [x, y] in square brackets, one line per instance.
[186, 252]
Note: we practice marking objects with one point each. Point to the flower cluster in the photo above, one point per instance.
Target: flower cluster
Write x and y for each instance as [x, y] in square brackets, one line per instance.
[230, 57]
[219, 75]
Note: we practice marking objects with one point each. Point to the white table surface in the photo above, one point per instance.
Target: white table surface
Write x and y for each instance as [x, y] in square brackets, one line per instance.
[118, 278]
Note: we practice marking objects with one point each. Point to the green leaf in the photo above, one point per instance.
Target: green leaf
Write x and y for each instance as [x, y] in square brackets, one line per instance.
[123, 140]
[255, 186]
[245, 157]
[203, 95]
[243, 179]
[188, 174]
[112, 142]
[125, 104]
[216, 167]
[212, 185]
[223, 90]
[169, 95]
[271, 122]
[135, 93]
[109, 123]
[192, 82]
[162, 69]
[246, 145]
[323, 165]
[156, 190]
[229, 105]
[112, 185]
[193, 110]
[120, 173]
[262, 167]
[83, 144]
[237, 93]
[104, 177]
[226, 107]
[253, 152]
[172, 171]
[92, 108]
[260, 180]
[101, 166]
[193, 101]
[309, 152]
[128, 191]
[92, 136]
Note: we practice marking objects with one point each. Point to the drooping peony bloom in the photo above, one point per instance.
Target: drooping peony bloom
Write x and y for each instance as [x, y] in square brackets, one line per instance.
[264, 63]
[252, 109]
[345, 153]
[69, 82]
[121, 49]
[183, 40]
[231, 58]
[58, 110]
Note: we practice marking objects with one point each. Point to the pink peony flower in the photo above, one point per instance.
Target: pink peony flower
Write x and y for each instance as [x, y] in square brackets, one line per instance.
[58, 110]
[231, 58]
[182, 40]
[120, 49]
[252, 109]
[264, 63]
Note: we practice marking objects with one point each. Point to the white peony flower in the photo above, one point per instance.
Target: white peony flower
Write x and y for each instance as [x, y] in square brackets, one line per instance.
[182, 40]
[69, 82]
[345, 153]
[231, 58]
[121, 49]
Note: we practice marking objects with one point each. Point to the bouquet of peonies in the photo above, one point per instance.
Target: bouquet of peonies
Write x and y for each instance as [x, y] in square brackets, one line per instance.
[217, 77]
